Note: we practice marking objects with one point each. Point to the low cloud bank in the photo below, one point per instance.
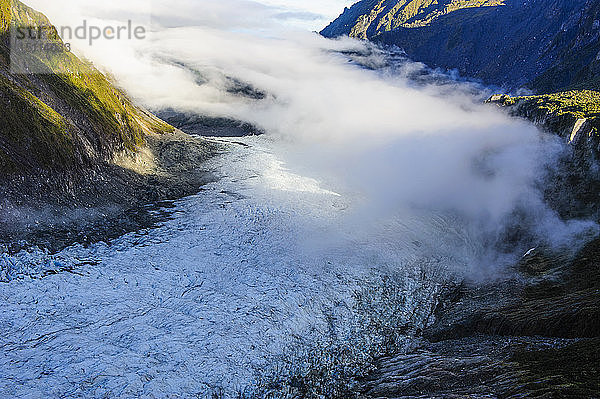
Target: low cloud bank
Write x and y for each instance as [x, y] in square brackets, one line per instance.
[371, 133]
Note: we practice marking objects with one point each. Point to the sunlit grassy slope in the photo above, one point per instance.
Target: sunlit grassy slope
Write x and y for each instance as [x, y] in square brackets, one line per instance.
[69, 117]
[563, 108]
[372, 17]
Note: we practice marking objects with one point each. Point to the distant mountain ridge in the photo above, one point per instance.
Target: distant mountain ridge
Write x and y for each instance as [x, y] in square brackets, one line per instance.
[370, 18]
[545, 45]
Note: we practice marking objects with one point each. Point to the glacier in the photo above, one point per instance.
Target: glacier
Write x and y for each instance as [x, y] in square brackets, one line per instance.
[258, 276]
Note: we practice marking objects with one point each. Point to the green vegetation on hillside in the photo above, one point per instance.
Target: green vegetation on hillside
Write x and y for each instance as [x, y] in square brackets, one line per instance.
[31, 132]
[4, 15]
[561, 108]
[578, 103]
[419, 13]
[67, 117]
[374, 17]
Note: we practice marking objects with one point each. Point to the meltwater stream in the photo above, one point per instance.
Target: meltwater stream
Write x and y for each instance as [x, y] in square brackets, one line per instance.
[245, 283]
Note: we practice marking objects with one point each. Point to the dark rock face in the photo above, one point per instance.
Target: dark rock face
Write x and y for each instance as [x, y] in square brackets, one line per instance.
[192, 123]
[370, 18]
[573, 186]
[536, 335]
[544, 45]
[490, 367]
[106, 202]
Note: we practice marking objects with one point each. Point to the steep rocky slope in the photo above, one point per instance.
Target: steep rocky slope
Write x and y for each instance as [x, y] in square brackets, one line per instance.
[573, 187]
[370, 18]
[78, 160]
[532, 336]
[535, 332]
[66, 118]
[544, 45]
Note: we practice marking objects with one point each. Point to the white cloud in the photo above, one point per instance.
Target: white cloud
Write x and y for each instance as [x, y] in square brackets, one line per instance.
[359, 130]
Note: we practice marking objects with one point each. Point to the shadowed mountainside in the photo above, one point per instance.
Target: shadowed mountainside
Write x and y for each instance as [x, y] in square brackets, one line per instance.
[544, 45]
[573, 187]
[533, 336]
[534, 333]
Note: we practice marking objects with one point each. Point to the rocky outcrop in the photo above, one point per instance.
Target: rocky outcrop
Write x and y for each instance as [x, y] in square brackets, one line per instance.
[489, 367]
[573, 187]
[581, 129]
[367, 19]
[535, 335]
[544, 45]
[128, 194]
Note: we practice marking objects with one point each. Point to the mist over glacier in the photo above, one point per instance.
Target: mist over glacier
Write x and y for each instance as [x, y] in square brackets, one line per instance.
[367, 192]
[367, 131]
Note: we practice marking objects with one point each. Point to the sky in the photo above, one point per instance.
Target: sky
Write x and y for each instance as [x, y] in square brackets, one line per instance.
[311, 15]
[322, 11]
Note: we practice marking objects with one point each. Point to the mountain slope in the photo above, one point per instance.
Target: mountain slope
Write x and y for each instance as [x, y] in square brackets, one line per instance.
[67, 118]
[370, 18]
[79, 162]
[546, 45]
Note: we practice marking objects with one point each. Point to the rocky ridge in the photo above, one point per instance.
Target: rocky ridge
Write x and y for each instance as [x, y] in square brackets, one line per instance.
[543, 45]
[574, 185]
[532, 333]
